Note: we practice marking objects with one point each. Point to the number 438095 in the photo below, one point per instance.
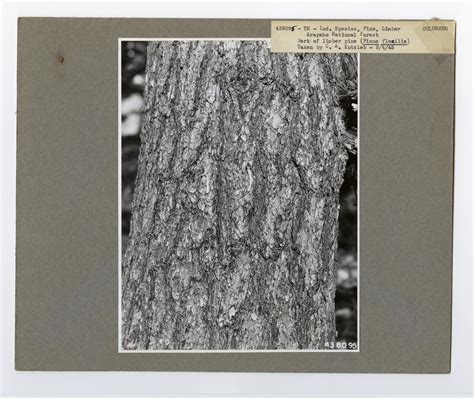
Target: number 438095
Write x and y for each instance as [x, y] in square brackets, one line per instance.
[340, 345]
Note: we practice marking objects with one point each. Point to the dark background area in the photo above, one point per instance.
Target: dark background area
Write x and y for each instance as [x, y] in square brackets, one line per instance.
[133, 83]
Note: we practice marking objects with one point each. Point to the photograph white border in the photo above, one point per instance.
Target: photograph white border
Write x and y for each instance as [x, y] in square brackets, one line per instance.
[121, 350]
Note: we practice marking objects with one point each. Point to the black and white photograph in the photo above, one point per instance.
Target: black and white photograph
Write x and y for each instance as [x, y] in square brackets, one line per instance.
[238, 200]
[248, 199]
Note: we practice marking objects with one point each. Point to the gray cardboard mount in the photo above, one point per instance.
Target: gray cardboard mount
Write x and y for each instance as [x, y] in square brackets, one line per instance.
[67, 206]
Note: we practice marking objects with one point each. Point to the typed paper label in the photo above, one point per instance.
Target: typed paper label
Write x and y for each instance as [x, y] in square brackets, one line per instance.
[390, 36]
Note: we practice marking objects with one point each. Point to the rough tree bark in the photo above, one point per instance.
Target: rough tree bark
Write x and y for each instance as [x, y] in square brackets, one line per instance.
[235, 214]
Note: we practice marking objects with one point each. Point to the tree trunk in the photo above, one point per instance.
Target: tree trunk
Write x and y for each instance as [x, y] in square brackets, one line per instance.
[235, 213]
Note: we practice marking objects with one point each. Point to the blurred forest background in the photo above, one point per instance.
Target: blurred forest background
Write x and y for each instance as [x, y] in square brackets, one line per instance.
[133, 84]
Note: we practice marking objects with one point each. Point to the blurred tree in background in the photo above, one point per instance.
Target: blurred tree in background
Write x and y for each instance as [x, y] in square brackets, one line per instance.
[133, 84]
